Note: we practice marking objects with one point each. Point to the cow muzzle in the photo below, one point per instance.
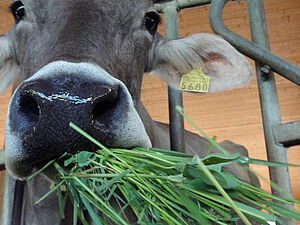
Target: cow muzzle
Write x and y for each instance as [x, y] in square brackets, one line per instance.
[43, 106]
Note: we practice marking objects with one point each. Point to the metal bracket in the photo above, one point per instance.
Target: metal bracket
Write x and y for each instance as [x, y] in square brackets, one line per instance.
[288, 134]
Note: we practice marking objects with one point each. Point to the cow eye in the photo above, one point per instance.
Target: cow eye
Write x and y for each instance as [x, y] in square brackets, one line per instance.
[18, 10]
[151, 21]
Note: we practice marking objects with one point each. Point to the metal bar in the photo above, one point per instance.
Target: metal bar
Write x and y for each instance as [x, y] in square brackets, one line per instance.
[269, 102]
[191, 3]
[288, 134]
[2, 158]
[18, 203]
[8, 200]
[175, 97]
[182, 4]
[266, 82]
[254, 51]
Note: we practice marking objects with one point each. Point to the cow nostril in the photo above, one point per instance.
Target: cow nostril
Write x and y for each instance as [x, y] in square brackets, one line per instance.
[103, 107]
[29, 108]
[101, 110]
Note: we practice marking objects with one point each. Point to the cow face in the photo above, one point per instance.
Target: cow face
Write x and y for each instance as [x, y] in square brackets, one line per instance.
[82, 61]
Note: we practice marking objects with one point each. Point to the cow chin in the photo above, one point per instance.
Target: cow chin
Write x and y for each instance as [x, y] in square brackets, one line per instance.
[16, 162]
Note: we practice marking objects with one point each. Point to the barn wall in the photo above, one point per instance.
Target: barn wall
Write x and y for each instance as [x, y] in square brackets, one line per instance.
[235, 114]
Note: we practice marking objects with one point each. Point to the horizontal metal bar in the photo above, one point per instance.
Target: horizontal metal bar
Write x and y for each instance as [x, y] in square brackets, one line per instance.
[2, 158]
[288, 134]
[277, 64]
[182, 4]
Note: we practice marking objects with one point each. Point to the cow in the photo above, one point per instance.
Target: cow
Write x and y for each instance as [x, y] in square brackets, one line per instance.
[83, 61]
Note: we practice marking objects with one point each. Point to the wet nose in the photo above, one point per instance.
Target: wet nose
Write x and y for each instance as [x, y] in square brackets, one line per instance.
[43, 109]
[68, 99]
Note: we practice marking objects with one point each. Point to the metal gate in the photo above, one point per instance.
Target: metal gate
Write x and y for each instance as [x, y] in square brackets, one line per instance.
[278, 136]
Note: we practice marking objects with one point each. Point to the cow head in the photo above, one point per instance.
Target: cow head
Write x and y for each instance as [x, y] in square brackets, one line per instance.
[83, 61]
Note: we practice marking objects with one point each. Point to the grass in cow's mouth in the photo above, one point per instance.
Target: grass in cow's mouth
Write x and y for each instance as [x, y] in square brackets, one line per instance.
[162, 187]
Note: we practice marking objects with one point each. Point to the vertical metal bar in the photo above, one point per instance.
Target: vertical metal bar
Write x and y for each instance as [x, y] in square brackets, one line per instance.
[18, 192]
[18, 203]
[8, 200]
[269, 101]
[175, 97]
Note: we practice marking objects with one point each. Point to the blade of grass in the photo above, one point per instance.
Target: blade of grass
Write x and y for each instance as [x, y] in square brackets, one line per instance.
[99, 200]
[169, 220]
[265, 163]
[180, 110]
[211, 146]
[169, 152]
[222, 191]
[152, 191]
[101, 208]
[75, 214]
[192, 208]
[175, 200]
[60, 203]
[40, 170]
[86, 135]
[285, 211]
[82, 218]
[49, 192]
[95, 218]
[225, 212]
[244, 208]
[261, 193]
[284, 195]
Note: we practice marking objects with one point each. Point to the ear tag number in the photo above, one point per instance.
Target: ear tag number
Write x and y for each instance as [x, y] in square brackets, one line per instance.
[195, 81]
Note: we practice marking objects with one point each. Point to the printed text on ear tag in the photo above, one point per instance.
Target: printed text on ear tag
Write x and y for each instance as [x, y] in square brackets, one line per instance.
[195, 81]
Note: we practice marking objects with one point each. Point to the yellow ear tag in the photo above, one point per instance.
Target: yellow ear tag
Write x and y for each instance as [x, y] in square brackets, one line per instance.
[195, 81]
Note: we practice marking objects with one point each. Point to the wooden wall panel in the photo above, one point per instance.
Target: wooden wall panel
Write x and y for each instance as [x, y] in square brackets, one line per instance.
[234, 114]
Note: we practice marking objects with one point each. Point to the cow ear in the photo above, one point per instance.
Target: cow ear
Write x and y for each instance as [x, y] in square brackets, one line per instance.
[9, 70]
[226, 67]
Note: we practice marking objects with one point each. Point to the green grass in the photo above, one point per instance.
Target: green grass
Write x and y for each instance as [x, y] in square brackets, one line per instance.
[162, 187]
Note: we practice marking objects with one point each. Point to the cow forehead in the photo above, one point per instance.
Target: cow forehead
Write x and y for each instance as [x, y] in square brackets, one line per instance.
[121, 7]
[84, 30]
[113, 13]
[96, 19]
